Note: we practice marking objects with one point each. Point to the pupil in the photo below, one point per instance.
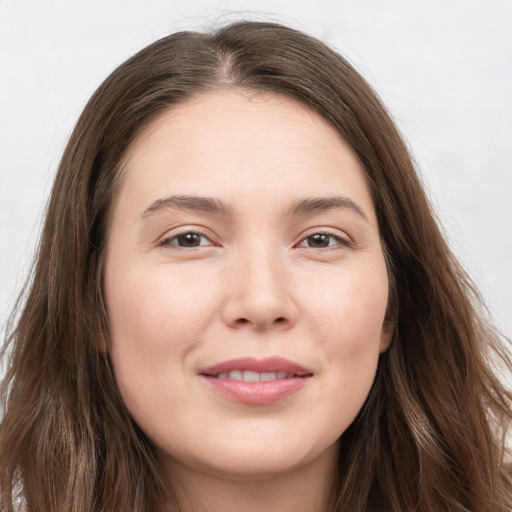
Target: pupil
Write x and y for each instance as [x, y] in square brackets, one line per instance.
[189, 240]
[319, 240]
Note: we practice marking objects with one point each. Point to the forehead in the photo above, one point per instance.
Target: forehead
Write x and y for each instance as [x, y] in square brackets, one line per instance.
[213, 108]
[242, 141]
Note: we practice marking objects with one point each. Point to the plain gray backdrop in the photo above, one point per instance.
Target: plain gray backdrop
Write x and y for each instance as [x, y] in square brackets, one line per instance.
[443, 67]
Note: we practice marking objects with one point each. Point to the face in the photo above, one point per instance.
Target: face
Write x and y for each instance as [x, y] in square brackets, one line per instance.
[245, 285]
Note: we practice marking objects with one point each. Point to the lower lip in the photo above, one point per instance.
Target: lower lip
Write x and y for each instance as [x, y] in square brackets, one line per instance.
[257, 393]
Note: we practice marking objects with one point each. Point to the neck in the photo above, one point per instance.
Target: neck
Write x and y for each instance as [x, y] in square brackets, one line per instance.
[305, 489]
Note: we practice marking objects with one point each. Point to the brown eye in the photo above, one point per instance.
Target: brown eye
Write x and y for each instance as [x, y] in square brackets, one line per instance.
[186, 240]
[322, 241]
[319, 240]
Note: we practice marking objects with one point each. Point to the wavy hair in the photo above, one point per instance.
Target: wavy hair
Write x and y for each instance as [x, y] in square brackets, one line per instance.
[432, 433]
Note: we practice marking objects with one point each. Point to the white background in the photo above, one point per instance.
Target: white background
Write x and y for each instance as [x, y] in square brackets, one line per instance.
[443, 67]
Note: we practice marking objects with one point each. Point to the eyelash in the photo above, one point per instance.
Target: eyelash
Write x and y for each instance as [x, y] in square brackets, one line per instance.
[168, 241]
[340, 241]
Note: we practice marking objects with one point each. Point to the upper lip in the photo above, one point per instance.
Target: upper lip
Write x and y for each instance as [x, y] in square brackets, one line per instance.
[266, 365]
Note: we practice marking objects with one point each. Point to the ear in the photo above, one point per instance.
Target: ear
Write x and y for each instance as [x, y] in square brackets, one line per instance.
[386, 336]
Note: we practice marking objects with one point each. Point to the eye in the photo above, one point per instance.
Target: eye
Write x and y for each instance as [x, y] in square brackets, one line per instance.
[323, 241]
[186, 240]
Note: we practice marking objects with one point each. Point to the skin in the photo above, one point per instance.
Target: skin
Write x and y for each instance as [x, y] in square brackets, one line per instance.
[256, 284]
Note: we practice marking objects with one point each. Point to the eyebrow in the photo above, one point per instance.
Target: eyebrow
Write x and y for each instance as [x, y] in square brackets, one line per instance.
[320, 204]
[184, 202]
[214, 205]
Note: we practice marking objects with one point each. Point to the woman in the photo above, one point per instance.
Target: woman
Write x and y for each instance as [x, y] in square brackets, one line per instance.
[242, 301]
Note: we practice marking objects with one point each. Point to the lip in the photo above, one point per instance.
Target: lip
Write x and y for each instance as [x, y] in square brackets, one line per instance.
[268, 364]
[257, 393]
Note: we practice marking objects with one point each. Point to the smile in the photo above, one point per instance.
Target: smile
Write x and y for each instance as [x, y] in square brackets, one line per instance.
[250, 376]
[256, 382]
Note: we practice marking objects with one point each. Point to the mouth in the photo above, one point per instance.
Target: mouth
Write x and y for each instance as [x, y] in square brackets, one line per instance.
[252, 376]
[256, 382]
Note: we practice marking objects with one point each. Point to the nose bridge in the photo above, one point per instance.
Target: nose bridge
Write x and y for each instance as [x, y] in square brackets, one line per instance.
[260, 293]
[264, 274]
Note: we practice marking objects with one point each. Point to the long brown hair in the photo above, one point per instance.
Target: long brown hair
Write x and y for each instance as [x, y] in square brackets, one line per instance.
[431, 435]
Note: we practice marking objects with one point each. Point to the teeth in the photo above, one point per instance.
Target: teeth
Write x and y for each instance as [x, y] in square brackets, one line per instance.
[235, 375]
[250, 376]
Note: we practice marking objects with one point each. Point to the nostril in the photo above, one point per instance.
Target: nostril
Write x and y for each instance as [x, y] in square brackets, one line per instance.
[280, 319]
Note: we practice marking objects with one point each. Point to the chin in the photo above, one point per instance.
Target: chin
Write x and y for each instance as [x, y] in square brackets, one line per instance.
[256, 468]
[255, 460]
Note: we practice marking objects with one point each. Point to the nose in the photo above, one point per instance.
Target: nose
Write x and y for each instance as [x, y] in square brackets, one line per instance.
[259, 295]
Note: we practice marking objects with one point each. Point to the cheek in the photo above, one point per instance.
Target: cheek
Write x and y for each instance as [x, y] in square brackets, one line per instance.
[350, 304]
[155, 318]
[155, 306]
[348, 314]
